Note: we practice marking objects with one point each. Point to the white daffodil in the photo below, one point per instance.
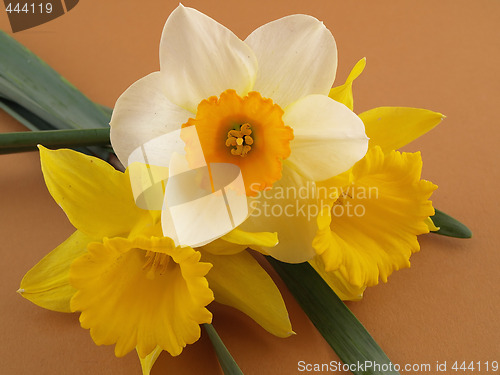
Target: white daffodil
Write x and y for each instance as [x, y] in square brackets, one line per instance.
[261, 104]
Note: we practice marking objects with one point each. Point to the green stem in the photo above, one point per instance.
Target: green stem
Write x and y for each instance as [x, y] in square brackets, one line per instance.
[228, 364]
[28, 141]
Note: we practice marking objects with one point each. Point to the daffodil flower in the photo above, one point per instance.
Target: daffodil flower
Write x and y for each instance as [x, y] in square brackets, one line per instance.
[134, 287]
[371, 229]
[261, 104]
[389, 203]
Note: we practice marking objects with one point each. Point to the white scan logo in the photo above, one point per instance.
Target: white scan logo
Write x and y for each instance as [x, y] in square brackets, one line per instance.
[200, 202]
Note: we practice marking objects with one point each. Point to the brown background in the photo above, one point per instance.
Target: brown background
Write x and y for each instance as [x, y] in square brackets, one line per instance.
[441, 55]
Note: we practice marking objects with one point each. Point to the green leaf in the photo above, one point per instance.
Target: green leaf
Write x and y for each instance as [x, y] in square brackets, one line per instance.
[38, 97]
[28, 141]
[340, 328]
[24, 116]
[228, 364]
[108, 111]
[449, 226]
[28, 81]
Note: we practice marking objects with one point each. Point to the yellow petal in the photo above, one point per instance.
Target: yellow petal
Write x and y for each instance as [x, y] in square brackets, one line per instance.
[125, 301]
[96, 198]
[239, 281]
[342, 288]
[343, 93]
[148, 361]
[375, 222]
[394, 127]
[324, 242]
[431, 225]
[47, 283]
[238, 240]
[240, 237]
[221, 247]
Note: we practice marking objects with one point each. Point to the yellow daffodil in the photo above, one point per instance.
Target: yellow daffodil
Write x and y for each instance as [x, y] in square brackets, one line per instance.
[370, 228]
[134, 287]
[261, 104]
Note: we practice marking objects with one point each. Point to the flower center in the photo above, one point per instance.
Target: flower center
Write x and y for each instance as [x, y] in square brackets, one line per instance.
[240, 141]
[247, 131]
[156, 262]
[342, 199]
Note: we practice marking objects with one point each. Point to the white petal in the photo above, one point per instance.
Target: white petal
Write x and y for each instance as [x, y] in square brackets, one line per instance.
[329, 137]
[290, 208]
[202, 204]
[200, 58]
[141, 114]
[297, 56]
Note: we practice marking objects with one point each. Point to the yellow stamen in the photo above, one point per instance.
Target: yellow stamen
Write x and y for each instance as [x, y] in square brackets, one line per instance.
[240, 140]
[341, 200]
[156, 262]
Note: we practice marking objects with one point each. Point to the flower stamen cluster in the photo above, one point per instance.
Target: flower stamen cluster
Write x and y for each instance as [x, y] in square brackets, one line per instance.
[240, 140]
[156, 262]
